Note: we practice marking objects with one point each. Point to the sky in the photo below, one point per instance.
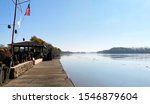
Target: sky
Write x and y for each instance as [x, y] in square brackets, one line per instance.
[80, 25]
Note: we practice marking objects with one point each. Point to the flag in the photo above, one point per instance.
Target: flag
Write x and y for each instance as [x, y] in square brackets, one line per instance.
[27, 13]
[19, 22]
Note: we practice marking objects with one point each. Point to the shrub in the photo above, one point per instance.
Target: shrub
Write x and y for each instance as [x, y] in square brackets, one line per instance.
[5, 56]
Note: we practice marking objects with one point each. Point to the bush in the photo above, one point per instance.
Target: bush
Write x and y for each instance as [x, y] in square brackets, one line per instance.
[5, 56]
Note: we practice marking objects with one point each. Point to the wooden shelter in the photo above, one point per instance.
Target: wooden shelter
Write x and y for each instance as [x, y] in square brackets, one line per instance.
[27, 50]
[27, 44]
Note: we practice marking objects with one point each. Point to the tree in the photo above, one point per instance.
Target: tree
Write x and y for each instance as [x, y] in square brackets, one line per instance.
[37, 40]
[5, 56]
[52, 51]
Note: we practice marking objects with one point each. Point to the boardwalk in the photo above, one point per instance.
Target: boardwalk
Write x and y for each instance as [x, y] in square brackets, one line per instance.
[44, 74]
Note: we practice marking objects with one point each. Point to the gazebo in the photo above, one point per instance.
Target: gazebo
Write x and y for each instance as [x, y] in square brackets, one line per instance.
[26, 51]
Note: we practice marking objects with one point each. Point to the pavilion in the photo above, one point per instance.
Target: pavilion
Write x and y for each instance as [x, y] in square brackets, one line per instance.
[26, 51]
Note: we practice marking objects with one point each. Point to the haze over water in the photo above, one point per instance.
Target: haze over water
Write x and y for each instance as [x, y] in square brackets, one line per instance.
[108, 70]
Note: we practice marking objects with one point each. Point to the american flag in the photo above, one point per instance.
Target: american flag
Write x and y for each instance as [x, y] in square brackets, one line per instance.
[27, 13]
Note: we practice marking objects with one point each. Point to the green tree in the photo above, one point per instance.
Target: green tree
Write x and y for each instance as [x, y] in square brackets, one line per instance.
[50, 49]
[37, 40]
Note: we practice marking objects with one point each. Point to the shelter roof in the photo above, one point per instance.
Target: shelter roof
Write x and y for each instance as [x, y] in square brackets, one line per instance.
[28, 44]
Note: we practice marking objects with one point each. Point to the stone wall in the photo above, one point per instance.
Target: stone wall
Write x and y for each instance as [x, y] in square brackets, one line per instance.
[19, 69]
[37, 61]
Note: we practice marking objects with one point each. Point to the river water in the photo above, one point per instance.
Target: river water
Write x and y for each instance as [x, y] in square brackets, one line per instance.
[108, 70]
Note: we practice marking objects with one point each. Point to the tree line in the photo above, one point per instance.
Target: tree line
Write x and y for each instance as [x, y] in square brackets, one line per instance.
[121, 50]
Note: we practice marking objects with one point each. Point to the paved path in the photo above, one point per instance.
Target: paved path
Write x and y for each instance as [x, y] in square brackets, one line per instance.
[44, 74]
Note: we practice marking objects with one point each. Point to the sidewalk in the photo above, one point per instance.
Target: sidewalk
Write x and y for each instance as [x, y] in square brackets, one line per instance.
[44, 74]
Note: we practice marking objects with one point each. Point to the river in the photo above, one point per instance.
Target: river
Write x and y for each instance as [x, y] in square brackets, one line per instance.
[108, 70]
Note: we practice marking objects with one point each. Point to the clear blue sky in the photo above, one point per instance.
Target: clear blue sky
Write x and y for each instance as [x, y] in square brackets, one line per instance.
[81, 25]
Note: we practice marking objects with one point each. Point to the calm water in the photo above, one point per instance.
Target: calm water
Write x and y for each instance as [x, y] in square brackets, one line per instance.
[108, 70]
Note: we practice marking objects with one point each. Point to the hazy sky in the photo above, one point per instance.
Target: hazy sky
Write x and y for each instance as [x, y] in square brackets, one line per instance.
[81, 25]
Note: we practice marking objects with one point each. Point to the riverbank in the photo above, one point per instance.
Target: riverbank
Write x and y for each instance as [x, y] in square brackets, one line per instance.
[44, 74]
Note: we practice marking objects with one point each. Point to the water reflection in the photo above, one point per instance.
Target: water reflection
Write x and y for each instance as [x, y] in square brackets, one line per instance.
[127, 56]
[108, 70]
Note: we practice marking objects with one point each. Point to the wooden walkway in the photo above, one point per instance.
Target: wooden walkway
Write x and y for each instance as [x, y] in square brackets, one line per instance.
[44, 74]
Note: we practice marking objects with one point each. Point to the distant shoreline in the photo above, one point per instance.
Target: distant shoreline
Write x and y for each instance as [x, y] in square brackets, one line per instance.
[116, 50]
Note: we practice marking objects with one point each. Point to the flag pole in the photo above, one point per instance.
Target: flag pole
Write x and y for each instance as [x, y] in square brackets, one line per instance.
[12, 40]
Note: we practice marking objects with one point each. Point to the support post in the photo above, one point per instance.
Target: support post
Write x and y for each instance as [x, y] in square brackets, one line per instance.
[12, 41]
